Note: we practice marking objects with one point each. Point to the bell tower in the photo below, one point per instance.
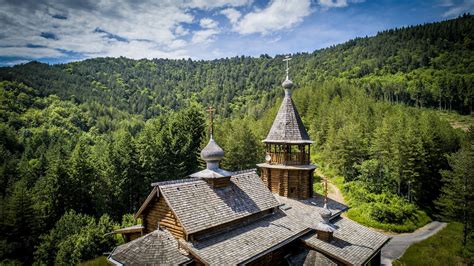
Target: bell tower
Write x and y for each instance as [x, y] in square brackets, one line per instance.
[287, 170]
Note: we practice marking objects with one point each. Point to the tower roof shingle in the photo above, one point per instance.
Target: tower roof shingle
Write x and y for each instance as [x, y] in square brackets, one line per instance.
[287, 126]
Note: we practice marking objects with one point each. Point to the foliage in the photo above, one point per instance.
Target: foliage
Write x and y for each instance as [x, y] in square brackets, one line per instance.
[382, 210]
[444, 248]
[75, 238]
[456, 202]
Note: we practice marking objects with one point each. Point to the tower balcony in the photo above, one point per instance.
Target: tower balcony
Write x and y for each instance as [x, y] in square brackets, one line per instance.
[287, 154]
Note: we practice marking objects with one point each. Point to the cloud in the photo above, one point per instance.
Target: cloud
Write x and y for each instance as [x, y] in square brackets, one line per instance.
[209, 4]
[232, 14]
[337, 3]
[467, 6]
[204, 36]
[277, 15]
[137, 29]
[27, 52]
[208, 23]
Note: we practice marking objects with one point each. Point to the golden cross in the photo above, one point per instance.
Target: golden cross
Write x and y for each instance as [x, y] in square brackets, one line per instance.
[287, 59]
[211, 111]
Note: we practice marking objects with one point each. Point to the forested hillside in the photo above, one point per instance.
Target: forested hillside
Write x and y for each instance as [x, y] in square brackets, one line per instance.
[430, 65]
[81, 142]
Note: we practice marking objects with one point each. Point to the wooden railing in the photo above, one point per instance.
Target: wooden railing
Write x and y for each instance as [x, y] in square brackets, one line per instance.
[300, 158]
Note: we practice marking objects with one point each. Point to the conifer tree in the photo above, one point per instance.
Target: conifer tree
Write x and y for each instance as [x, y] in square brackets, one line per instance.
[457, 199]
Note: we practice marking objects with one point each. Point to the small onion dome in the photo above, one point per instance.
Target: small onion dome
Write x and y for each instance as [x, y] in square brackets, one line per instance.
[212, 151]
[287, 84]
[325, 214]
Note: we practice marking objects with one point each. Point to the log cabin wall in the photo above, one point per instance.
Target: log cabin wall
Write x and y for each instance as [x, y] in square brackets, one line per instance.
[295, 184]
[159, 213]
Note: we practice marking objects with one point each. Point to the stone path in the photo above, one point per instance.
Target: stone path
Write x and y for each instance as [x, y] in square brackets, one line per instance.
[395, 248]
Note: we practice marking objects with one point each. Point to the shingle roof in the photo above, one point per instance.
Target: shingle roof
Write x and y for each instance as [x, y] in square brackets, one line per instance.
[309, 257]
[287, 126]
[198, 206]
[155, 248]
[248, 242]
[308, 211]
[352, 243]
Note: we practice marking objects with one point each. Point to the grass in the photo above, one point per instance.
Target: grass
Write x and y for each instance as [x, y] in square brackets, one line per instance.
[100, 261]
[444, 248]
[360, 215]
[458, 121]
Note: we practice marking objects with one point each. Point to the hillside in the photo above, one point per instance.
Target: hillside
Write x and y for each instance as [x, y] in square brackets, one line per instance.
[430, 65]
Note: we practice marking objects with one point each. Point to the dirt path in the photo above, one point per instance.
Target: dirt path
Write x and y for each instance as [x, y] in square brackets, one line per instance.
[333, 191]
[395, 248]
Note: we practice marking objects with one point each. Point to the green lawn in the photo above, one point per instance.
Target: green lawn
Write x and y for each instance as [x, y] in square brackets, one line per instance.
[100, 261]
[444, 248]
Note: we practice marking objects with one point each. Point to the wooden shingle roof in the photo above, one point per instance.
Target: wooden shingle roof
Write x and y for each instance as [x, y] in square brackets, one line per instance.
[155, 248]
[198, 206]
[248, 242]
[287, 126]
[353, 243]
[308, 211]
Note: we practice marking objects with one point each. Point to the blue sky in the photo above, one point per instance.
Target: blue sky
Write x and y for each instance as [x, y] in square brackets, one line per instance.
[63, 31]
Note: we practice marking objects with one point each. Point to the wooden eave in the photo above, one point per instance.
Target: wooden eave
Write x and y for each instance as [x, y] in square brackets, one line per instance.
[153, 193]
[130, 229]
[177, 218]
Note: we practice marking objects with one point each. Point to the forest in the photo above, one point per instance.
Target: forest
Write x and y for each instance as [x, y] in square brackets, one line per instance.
[81, 143]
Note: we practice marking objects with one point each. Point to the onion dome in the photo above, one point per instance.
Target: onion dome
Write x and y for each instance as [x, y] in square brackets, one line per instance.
[212, 152]
[325, 214]
[287, 84]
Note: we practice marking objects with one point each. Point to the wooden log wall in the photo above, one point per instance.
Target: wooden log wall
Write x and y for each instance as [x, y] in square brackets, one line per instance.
[160, 214]
[289, 183]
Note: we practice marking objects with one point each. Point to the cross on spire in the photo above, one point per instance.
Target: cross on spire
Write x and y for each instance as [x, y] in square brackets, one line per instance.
[287, 59]
[211, 111]
[325, 192]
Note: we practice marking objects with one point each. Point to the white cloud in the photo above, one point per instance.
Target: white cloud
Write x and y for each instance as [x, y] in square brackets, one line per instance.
[180, 31]
[209, 4]
[337, 3]
[208, 23]
[204, 36]
[458, 9]
[277, 15]
[232, 14]
[33, 53]
[137, 29]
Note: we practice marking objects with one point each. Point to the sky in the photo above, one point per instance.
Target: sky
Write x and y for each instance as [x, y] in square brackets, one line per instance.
[54, 31]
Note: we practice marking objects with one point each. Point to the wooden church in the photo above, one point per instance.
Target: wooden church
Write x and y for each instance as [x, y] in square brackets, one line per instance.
[216, 217]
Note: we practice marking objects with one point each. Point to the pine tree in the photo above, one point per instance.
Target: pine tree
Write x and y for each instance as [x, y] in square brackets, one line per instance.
[457, 199]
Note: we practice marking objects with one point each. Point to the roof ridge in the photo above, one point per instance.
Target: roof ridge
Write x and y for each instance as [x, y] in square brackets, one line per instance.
[176, 181]
[244, 171]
